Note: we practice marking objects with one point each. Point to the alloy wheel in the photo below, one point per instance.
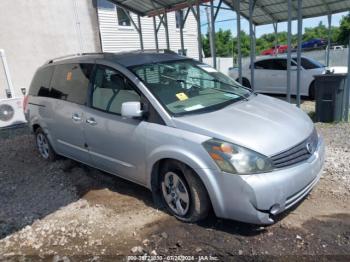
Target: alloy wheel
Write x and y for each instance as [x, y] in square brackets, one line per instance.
[175, 193]
[43, 145]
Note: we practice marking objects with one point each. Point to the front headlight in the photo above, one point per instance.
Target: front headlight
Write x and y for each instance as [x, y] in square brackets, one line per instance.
[236, 159]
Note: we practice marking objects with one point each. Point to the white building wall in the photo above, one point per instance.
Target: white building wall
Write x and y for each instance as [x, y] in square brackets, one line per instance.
[117, 38]
[34, 31]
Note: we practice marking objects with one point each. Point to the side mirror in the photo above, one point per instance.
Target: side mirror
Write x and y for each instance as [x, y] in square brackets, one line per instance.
[292, 67]
[131, 109]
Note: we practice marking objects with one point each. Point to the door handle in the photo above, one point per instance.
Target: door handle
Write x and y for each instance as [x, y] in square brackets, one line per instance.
[76, 117]
[91, 121]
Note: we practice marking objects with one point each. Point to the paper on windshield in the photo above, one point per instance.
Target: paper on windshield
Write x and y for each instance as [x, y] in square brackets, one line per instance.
[208, 68]
[195, 107]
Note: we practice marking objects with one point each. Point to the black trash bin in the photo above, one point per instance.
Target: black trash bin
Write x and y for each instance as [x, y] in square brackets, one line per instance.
[329, 97]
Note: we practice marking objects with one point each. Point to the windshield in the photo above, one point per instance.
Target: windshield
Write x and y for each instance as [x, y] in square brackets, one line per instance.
[187, 86]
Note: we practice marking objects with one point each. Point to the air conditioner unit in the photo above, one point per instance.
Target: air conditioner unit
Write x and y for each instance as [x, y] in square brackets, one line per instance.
[11, 112]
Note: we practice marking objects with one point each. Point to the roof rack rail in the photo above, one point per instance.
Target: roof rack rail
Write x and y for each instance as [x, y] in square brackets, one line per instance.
[168, 51]
[70, 56]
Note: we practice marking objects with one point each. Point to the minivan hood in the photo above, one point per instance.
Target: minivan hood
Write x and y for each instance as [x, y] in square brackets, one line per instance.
[264, 124]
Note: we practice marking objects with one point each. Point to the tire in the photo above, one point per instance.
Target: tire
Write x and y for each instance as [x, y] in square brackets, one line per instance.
[189, 188]
[43, 145]
[312, 91]
[246, 83]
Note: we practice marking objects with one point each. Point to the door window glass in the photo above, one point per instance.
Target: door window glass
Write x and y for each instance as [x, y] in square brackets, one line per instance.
[264, 64]
[111, 90]
[70, 82]
[272, 64]
[309, 64]
[278, 64]
[41, 82]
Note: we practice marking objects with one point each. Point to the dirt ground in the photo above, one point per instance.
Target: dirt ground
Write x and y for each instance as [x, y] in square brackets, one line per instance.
[52, 210]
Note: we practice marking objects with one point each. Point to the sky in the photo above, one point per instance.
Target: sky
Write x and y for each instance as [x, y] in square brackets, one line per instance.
[263, 29]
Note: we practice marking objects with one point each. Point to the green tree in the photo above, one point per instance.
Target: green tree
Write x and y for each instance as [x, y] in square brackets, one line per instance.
[226, 44]
[344, 30]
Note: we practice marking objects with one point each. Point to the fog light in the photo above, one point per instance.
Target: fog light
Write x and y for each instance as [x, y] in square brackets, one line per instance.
[274, 209]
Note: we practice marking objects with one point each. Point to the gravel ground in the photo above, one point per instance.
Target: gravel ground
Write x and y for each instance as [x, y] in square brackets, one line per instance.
[67, 209]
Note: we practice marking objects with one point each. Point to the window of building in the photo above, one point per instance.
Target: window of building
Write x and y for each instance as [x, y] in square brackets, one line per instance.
[123, 18]
[179, 16]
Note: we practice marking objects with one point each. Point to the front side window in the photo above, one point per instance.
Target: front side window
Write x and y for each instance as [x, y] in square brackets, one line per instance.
[111, 90]
[123, 18]
[70, 82]
[307, 63]
[187, 86]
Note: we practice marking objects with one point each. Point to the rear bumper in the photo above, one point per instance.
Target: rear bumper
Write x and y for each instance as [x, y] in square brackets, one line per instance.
[257, 198]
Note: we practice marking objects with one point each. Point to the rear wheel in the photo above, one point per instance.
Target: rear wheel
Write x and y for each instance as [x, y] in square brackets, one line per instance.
[183, 193]
[43, 145]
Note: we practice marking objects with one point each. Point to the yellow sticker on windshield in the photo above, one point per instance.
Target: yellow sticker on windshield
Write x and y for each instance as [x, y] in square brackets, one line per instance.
[181, 96]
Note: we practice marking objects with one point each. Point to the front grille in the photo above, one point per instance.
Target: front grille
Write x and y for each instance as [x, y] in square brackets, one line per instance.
[298, 153]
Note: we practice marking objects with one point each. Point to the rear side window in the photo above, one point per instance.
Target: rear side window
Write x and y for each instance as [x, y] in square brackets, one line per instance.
[272, 64]
[70, 82]
[41, 82]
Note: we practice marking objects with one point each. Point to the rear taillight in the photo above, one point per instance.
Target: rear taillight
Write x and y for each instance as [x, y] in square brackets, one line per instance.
[25, 104]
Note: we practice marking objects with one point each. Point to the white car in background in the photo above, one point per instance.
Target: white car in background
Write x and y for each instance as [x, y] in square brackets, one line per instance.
[271, 75]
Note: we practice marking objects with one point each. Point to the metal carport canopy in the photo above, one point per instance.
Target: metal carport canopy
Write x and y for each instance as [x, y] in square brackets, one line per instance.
[154, 7]
[265, 11]
[272, 11]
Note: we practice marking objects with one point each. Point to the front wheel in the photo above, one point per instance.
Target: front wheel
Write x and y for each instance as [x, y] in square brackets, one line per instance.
[183, 193]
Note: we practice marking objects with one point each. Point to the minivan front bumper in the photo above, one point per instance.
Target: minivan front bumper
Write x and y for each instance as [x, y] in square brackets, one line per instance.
[257, 198]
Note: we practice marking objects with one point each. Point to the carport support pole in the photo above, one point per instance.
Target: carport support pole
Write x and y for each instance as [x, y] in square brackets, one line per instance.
[289, 43]
[347, 93]
[275, 28]
[251, 34]
[329, 37]
[166, 31]
[140, 32]
[199, 32]
[239, 52]
[155, 33]
[212, 33]
[182, 32]
[300, 28]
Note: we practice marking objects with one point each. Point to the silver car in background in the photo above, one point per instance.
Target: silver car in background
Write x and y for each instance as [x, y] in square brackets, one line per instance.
[193, 136]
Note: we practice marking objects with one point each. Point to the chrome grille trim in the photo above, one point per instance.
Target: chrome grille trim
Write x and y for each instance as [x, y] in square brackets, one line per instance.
[298, 153]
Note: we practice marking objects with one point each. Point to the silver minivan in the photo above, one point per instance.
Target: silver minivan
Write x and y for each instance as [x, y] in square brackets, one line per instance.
[193, 136]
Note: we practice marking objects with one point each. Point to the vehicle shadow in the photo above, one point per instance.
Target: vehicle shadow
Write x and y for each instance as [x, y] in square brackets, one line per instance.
[31, 188]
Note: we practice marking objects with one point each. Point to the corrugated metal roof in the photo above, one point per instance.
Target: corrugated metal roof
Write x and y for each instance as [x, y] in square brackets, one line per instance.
[269, 11]
[265, 11]
[152, 7]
